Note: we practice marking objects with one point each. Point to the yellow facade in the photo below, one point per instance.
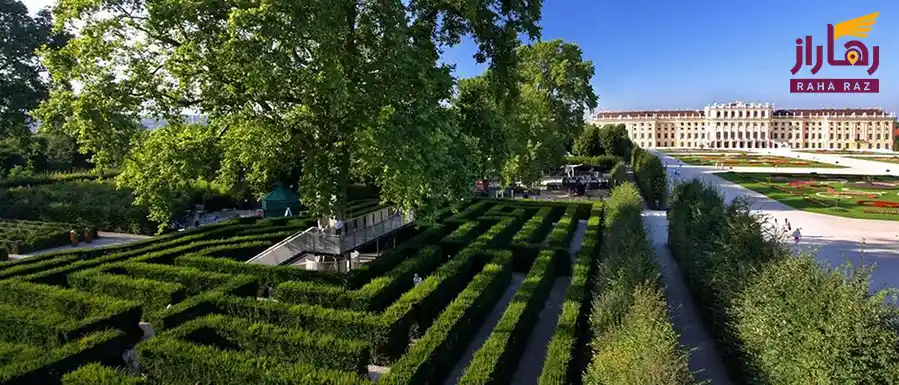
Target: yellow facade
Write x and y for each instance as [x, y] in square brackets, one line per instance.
[757, 125]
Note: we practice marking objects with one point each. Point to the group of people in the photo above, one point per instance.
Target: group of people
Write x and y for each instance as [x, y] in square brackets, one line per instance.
[796, 233]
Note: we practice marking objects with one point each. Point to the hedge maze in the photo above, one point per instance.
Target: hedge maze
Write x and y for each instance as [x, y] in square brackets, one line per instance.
[69, 317]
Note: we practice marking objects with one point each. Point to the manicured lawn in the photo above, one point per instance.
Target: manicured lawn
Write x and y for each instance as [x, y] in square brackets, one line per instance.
[882, 159]
[840, 152]
[848, 196]
[703, 151]
[741, 160]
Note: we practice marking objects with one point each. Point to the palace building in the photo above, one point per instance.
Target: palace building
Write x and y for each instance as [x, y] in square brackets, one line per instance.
[757, 125]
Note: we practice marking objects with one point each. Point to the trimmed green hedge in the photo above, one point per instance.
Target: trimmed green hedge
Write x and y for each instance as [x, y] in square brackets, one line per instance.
[537, 228]
[564, 355]
[376, 296]
[167, 360]
[495, 362]
[435, 354]
[634, 341]
[269, 276]
[47, 368]
[651, 177]
[288, 345]
[618, 174]
[96, 374]
[152, 295]
[390, 259]
[70, 313]
[779, 318]
[474, 210]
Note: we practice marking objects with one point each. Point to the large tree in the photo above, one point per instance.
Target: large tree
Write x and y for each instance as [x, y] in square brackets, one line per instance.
[21, 87]
[519, 137]
[346, 89]
[589, 143]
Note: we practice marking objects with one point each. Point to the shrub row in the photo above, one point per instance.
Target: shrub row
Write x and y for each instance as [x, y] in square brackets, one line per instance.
[49, 366]
[268, 276]
[19, 237]
[633, 338]
[96, 374]
[775, 314]
[393, 257]
[435, 354]
[474, 210]
[537, 228]
[618, 174]
[651, 177]
[50, 260]
[566, 350]
[563, 233]
[495, 362]
[290, 345]
[167, 360]
[65, 314]
[376, 296]
[600, 163]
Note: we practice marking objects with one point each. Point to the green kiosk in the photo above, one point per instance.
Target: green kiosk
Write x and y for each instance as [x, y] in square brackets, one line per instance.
[281, 202]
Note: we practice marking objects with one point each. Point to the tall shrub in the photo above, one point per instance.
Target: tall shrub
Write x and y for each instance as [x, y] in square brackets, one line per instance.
[649, 172]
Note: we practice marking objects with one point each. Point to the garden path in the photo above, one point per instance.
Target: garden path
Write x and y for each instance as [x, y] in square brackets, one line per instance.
[105, 239]
[833, 240]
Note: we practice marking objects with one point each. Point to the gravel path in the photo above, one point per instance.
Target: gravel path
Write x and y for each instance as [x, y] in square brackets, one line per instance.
[105, 239]
[705, 361]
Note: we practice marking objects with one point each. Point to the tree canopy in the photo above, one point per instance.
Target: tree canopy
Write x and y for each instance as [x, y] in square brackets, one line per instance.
[21, 87]
[589, 143]
[346, 90]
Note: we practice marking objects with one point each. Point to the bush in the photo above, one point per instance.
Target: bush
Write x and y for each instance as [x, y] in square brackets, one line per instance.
[619, 174]
[633, 339]
[153, 295]
[773, 312]
[96, 374]
[167, 360]
[263, 339]
[435, 354]
[565, 352]
[598, 163]
[269, 276]
[474, 210]
[70, 313]
[535, 229]
[649, 172]
[20, 237]
[47, 368]
[495, 362]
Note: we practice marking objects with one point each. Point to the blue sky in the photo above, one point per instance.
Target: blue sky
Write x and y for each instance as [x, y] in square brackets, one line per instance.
[689, 53]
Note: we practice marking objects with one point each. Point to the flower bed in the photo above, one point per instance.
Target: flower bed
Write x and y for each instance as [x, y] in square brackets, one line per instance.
[886, 212]
[892, 205]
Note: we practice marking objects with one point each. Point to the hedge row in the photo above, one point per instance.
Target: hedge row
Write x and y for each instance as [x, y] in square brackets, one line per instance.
[393, 257]
[634, 341]
[20, 237]
[268, 276]
[567, 349]
[435, 354]
[57, 276]
[495, 362]
[290, 345]
[376, 296]
[49, 366]
[62, 314]
[618, 174]
[471, 212]
[537, 228]
[779, 318]
[46, 261]
[96, 374]
[563, 233]
[167, 360]
[651, 177]
[600, 163]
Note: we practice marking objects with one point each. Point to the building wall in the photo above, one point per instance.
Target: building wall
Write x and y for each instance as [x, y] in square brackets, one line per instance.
[755, 125]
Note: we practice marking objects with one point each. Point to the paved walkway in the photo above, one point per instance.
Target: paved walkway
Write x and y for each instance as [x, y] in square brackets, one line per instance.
[105, 239]
[705, 362]
[832, 239]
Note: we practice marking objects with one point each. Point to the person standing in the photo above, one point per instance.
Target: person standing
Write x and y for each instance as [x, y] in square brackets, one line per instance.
[797, 235]
[787, 223]
[416, 280]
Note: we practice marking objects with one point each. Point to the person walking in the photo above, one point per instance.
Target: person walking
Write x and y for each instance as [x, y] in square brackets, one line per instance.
[787, 223]
[797, 235]
[416, 280]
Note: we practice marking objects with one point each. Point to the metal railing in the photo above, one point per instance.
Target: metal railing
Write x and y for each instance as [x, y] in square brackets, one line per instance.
[315, 240]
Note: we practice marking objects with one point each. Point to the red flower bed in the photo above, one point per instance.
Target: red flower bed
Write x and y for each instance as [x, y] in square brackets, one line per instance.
[892, 205]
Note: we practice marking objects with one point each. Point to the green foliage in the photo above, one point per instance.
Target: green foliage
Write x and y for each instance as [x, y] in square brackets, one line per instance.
[633, 339]
[263, 339]
[48, 367]
[56, 177]
[96, 374]
[598, 163]
[153, 295]
[771, 311]
[651, 177]
[434, 355]
[589, 143]
[167, 360]
[269, 276]
[84, 203]
[564, 355]
[495, 362]
[619, 174]
[20, 237]
[616, 141]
